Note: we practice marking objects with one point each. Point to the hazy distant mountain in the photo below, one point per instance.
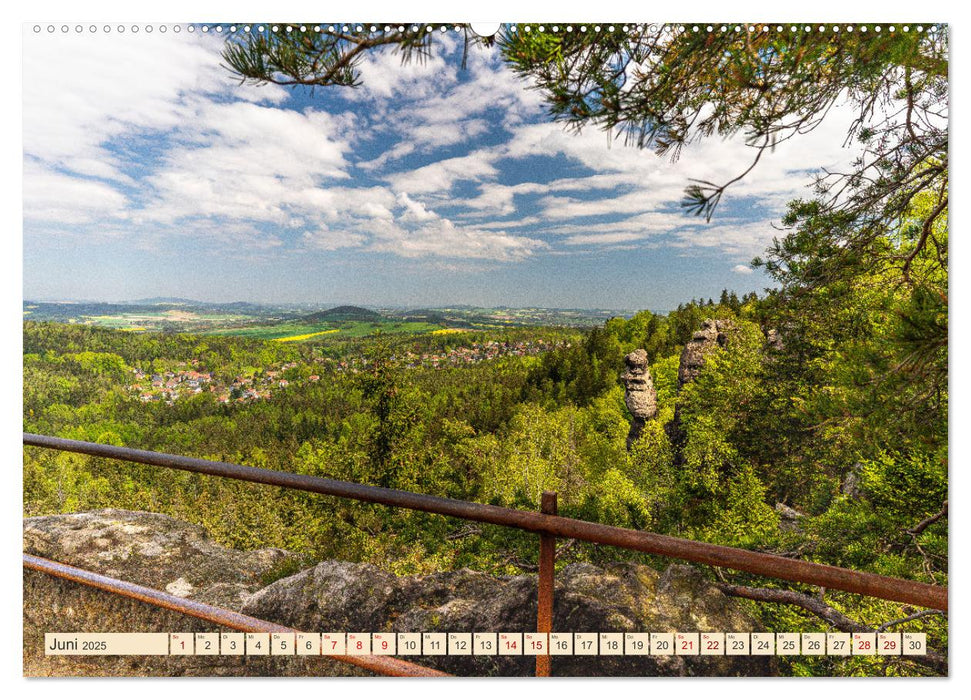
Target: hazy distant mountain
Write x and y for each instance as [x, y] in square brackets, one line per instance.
[166, 300]
[238, 306]
[343, 313]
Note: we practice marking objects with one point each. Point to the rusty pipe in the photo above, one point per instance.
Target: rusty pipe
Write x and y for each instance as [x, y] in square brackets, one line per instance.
[770, 565]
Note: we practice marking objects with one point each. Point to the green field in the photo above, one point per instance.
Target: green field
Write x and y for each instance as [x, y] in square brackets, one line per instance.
[345, 329]
[189, 321]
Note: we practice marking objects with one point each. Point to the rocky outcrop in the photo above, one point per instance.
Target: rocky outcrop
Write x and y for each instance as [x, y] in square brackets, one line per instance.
[150, 550]
[639, 393]
[713, 334]
[619, 598]
[153, 550]
[165, 553]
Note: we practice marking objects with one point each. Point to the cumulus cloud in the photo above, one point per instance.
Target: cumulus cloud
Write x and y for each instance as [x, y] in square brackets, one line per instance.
[442, 238]
[149, 132]
[440, 176]
[743, 269]
[51, 196]
[84, 93]
[435, 105]
[736, 239]
[246, 161]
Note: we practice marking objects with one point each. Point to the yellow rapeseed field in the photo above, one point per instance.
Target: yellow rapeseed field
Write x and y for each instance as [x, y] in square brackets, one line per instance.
[298, 338]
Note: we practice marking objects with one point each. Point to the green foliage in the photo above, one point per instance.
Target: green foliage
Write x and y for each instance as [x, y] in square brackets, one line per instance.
[915, 484]
[870, 529]
[665, 375]
[579, 372]
[740, 517]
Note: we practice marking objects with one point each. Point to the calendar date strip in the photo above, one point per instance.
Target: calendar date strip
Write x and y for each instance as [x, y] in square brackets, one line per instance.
[426, 644]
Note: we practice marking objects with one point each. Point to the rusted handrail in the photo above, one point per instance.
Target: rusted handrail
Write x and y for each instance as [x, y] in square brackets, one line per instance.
[385, 665]
[770, 565]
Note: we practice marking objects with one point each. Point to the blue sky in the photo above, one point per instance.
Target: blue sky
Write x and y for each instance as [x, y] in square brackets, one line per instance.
[149, 171]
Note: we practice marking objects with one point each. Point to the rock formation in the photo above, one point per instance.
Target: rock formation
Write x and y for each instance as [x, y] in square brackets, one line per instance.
[713, 334]
[639, 393]
[162, 552]
[619, 598]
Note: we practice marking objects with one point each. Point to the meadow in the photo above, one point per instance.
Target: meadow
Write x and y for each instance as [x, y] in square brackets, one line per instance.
[289, 331]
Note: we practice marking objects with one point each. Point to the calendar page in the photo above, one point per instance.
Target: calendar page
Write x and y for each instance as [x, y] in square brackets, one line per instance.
[598, 349]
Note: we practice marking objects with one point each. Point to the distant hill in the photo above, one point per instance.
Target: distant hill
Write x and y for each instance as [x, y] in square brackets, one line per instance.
[343, 313]
[243, 306]
[239, 306]
[163, 300]
[426, 315]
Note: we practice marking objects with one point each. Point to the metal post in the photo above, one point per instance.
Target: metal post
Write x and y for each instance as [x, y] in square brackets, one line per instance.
[547, 561]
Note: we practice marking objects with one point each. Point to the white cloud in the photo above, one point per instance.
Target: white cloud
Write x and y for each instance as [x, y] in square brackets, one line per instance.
[643, 225]
[230, 158]
[246, 161]
[83, 92]
[743, 269]
[437, 104]
[738, 240]
[414, 211]
[54, 197]
[498, 200]
[322, 238]
[602, 238]
[442, 238]
[442, 175]
[385, 75]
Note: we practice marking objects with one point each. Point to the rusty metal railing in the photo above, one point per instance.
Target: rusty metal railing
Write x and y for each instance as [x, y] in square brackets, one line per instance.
[384, 665]
[546, 523]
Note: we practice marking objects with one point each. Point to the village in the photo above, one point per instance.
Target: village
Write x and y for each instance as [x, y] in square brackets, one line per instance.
[188, 378]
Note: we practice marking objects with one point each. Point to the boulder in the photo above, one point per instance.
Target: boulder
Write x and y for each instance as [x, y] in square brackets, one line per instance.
[623, 597]
[151, 550]
[789, 518]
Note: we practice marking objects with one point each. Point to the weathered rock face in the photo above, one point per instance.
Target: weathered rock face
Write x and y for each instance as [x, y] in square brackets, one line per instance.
[713, 334]
[851, 482]
[161, 552]
[151, 550]
[620, 598]
[639, 393]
